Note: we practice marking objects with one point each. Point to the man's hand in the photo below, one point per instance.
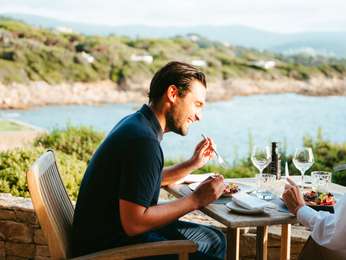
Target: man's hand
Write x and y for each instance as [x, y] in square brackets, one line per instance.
[208, 191]
[293, 197]
[204, 151]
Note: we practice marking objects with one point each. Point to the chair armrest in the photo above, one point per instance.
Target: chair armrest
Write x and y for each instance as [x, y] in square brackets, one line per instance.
[144, 249]
[340, 167]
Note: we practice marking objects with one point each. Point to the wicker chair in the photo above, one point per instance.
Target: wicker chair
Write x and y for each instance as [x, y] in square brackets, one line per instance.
[55, 214]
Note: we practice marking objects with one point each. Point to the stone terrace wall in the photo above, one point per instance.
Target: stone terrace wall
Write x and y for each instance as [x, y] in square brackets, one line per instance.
[20, 234]
[22, 238]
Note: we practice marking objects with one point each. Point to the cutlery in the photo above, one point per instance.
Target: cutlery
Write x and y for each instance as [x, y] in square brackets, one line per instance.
[220, 160]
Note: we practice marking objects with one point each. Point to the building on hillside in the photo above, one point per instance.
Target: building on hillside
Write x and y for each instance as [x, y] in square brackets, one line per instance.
[63, 29]
[264, 64]
[87, 57]
[194, 37]
[146, 58]
[199, 63]
[5, 38]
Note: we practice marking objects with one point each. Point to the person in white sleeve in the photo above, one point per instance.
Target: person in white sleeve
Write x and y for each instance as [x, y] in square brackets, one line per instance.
[328, 231]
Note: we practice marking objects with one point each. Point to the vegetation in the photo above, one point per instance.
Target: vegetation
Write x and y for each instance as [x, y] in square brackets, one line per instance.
[14, 164]
[75, 145]
[34, 54]
[327, 156]
[6, 125]
[79, 142]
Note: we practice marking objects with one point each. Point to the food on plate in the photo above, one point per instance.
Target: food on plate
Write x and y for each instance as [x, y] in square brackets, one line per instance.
[314, 198]
[230, 189]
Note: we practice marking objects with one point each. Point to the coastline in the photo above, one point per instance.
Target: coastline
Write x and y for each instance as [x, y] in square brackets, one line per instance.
[34, 94]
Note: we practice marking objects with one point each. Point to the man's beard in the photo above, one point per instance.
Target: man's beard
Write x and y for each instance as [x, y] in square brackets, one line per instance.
[173, 123]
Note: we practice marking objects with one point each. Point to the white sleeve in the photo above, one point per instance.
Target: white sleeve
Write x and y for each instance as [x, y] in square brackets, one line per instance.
[328, 230]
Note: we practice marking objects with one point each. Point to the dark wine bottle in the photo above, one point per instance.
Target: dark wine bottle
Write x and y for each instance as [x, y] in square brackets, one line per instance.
[275, 167]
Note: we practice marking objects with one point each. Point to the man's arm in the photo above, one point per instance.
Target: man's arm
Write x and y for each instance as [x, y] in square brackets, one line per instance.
[174, 173]
[202, 154]
[328, 230]
[137, 219]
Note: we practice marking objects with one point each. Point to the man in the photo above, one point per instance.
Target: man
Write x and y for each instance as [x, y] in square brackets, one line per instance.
[328, 231]
[117, 201]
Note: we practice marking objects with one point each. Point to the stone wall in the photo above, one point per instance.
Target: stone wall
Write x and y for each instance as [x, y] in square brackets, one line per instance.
[20, 234]
[22, 238]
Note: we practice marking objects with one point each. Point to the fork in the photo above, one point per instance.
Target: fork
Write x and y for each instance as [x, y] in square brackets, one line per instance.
[220, 160]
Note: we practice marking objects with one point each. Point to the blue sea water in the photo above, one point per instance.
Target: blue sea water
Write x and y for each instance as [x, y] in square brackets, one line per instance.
[286, 118]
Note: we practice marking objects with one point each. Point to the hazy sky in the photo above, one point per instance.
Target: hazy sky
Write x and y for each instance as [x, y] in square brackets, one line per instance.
[272, 15]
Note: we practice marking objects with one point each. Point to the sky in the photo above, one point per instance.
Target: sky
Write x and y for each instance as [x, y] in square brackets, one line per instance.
[284, 16]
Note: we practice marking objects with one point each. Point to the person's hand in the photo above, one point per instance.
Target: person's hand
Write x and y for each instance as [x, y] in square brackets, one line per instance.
[209, 190]
[292, 197]
[204, 151]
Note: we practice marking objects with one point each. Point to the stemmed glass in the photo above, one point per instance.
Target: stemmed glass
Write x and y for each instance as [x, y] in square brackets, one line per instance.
[261, 157]
[303, 159]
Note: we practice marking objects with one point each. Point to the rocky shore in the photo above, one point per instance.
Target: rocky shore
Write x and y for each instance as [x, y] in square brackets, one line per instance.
[19, 96]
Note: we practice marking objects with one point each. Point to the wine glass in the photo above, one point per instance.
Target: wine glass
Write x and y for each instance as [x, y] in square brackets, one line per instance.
[261, 157]
[303, 159]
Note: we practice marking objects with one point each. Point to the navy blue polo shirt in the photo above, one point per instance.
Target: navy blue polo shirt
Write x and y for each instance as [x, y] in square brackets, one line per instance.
[127, 165]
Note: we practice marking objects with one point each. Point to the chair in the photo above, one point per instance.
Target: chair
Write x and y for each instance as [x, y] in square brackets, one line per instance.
[312, 250]
[55, 214]
[340, 167]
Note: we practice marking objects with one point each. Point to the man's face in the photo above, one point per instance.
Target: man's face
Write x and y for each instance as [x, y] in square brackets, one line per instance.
[187, 109]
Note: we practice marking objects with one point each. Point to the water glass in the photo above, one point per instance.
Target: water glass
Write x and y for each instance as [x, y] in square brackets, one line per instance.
[265, 186]
[320, 181]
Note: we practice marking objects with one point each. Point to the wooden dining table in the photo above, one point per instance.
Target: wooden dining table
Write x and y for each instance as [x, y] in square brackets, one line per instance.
[234, 221]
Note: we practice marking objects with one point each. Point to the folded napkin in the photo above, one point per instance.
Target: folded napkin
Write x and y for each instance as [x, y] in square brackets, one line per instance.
[196, 177]
[250, 202]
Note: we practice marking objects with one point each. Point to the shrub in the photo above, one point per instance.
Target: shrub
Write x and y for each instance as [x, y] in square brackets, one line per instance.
[14, 165]
[74, 146]
[80, 142]
[327, 155]
[339, 177]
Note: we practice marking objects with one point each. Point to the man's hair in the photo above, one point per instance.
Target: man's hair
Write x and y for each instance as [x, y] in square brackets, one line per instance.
[174, 73]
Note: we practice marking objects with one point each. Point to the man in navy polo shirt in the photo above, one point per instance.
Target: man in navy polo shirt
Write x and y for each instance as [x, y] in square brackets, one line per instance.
[117, 201]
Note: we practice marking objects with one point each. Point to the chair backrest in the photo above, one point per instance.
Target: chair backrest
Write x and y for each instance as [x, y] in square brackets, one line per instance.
[52, 204]
[340, 167]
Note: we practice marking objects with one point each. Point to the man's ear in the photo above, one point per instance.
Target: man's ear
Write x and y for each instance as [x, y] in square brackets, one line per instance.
[172, 93]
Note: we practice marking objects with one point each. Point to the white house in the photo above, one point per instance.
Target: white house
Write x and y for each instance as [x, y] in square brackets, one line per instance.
[87, 57]
[199, 63]
[194, 37]
[5, 37]
[144, 58]
[264, 64]
[63, 29]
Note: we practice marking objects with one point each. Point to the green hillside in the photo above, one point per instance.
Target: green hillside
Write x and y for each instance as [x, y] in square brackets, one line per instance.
[34, 54]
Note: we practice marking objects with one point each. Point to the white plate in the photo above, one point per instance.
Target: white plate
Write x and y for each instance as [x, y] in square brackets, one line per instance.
[238, 209]
[242, 187]
[191, 178]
